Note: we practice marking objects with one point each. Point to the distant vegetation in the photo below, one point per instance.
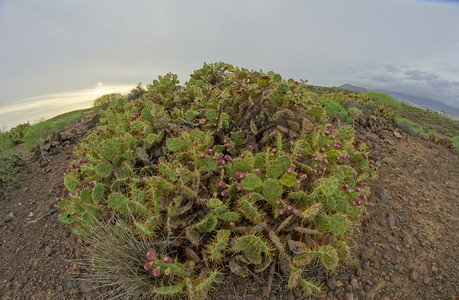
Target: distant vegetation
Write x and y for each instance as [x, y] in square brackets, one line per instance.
[7, 163]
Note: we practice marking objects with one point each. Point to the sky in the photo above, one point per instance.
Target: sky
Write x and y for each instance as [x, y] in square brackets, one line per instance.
[56, 56]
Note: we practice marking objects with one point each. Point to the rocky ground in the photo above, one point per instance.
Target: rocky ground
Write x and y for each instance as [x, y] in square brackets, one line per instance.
[408, 248]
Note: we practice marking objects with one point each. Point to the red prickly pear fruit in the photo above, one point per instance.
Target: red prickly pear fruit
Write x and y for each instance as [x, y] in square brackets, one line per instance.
[195, 143]
[221, 162]
[321, 150]
[345, 186]
[250, 148]
[166, 259]
[281, 211]
[250, 195]
[220, 155]
[151, 254]
[289, 171]
[293, 167]
[327, 145]
[289, 208]
[298, 181]
[298, 155]
[156, 272]
[336, 147]
[224, 193]
[362, 196]
[243, 176]
[304, 176]
[203, 156]
[364, 213]
[278, 201]
[227, 157]
[257, 171]
[238, 175]
[210, 152]
[239, 187]
[242, 155]
[223, 185]
[357, 189]
[147, 266]
[337, 134]
[274, 150]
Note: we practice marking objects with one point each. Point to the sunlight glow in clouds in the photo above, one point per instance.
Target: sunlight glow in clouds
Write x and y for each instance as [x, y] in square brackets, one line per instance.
[47, 106]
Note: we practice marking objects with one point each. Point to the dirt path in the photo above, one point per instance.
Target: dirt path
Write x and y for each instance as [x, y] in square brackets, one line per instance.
[408, 248]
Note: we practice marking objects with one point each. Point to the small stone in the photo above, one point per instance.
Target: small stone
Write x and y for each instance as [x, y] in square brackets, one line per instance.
[383, 196]
[427, 280]
[391, 220]
[434, 268]
[331, 283]
[26, 189]
[48, 250]
[397, 134]
[370, 282]
[366, 265]
[355, 284]
[74, 267]
[349, 296]
[8, 217]
[414, 275]
[348, 288]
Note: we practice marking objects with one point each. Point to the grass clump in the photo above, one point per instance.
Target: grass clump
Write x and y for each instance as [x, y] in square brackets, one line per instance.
[8, 162]
[233, 172]
[36, 134]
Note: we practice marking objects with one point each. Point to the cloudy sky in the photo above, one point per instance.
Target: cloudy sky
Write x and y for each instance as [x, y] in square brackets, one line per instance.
[57, 55]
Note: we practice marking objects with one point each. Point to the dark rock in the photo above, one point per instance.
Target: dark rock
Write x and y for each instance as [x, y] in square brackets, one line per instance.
[8, 217]
[331, 283]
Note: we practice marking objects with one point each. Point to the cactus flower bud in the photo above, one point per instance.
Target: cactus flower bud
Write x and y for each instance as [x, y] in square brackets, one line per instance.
[166, 259]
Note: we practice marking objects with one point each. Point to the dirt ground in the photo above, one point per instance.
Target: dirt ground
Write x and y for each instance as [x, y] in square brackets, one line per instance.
[408, 248]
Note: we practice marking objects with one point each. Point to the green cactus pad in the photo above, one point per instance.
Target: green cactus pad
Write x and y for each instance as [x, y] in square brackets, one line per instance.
[251, 182]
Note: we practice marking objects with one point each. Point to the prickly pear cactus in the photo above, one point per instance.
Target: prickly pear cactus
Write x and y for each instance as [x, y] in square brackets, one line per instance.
[233, 171]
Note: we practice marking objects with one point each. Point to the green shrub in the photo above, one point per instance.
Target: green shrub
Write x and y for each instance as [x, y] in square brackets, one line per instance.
[8, 171]
[194, 169]
[105, 100]
[335, 110]
[385, 100]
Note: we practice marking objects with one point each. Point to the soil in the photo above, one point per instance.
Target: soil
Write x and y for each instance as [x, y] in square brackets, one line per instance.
[408, 247]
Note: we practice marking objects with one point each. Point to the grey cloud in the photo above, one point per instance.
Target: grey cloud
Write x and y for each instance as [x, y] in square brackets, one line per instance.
[413, 81]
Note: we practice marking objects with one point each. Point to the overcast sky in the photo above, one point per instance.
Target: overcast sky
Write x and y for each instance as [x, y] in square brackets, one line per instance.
[55, 51]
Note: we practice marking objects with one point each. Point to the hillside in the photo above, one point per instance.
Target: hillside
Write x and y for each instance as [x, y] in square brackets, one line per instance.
[405, 250]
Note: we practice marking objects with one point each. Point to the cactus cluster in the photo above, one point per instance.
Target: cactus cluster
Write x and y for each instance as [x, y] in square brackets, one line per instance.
[235, 171]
